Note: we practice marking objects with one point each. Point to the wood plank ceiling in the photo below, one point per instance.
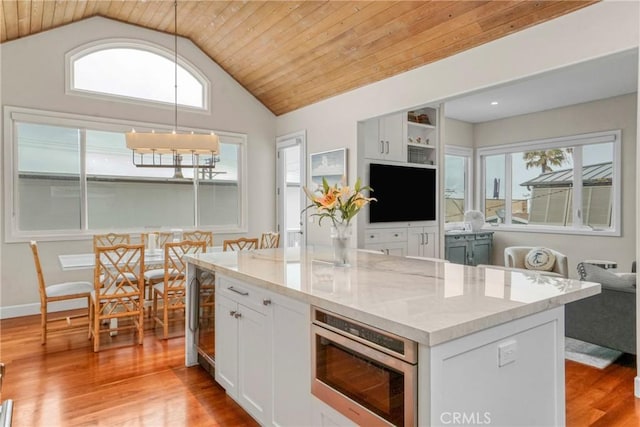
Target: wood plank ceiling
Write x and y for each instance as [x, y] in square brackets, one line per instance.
[290, 54]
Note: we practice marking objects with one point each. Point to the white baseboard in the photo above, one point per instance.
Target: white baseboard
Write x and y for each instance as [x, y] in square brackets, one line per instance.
[31, 309]
[636, 387]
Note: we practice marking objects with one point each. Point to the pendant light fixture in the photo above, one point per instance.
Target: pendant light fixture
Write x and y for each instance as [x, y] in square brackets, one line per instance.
[165, 150]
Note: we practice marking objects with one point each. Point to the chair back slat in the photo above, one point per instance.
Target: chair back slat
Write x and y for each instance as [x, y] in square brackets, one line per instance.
[270, 240]
[175, 266]
[241, 244]
[110, 239]
[199, 236]
[119, 279]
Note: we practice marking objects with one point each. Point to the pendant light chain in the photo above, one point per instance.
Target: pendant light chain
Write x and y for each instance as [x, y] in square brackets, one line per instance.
[175, 64]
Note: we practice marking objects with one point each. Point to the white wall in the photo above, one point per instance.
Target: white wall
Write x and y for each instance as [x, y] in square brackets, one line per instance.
[32, 76]
[458, 133]
[609, 114]
[591, 32]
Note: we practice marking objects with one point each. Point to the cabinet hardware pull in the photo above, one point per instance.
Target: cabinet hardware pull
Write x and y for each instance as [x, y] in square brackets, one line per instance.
[395, 235]
[195, 296]
[381, 147]
[232, 313]
[387, 147]
[243, 293]
[266, 301]
[422, 238]
[237, 315]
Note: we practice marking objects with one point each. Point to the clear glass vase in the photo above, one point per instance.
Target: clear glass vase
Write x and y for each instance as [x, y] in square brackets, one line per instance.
[340, 236]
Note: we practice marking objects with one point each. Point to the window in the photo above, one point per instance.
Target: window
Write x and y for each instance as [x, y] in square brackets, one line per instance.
[136, 71]
[74, 175]
[568, 184]
[457, 182]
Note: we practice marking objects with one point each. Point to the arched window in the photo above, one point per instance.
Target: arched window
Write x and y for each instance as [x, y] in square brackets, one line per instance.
[136, 71]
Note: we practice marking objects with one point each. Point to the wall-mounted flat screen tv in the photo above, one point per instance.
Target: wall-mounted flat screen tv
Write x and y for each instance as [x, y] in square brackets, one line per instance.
[404, 193]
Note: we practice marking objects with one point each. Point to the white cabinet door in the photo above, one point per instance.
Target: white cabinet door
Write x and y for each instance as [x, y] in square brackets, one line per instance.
[422, 241]
[392, 133]
[384, 138]
[226, 351]
[253, 362]
[291, 363]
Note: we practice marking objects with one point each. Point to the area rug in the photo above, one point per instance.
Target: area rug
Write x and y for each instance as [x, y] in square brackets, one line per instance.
[589, 354]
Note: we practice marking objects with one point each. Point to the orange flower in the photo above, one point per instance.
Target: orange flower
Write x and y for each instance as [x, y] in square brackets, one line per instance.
[328, 200]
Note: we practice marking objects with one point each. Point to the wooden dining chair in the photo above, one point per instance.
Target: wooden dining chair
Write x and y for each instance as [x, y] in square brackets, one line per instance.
[110, 239]
[118, 291]
[199, 236]
[172, 289]
[243, 243]
[270, 239]
[154, 273]
[60, 292]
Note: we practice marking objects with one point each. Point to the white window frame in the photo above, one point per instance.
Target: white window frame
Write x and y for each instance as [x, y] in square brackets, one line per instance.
[13, 114]
[467, 153]
[613, 136]
[86, 49]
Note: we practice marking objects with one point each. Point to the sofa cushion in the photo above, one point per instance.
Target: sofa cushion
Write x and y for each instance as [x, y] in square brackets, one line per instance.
[541, 259]
[593, 273]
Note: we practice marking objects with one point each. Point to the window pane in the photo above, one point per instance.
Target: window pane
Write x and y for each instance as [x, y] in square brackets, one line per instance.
[131, 203]
[48, 186]
[136, 73]
[107, 155]
[219, 190]
[494, 188]
[455, 187]
[597, 190]
[543, 180]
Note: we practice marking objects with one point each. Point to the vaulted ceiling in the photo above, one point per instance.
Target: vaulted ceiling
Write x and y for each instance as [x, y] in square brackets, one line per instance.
[290, 54]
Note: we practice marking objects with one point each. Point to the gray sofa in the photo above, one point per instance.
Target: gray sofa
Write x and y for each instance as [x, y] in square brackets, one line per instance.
[609, 318]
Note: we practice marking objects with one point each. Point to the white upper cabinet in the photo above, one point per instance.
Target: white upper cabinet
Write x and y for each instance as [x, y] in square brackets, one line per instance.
[384, 138]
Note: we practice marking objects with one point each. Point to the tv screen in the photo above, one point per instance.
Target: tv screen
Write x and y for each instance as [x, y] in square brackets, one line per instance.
[404, 193]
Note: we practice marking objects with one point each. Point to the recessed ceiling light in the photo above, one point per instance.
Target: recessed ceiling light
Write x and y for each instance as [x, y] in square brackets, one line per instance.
[494, 103]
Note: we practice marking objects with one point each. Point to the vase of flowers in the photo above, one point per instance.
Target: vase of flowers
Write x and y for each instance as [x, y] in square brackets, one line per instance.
[340, 203]
[340, 236]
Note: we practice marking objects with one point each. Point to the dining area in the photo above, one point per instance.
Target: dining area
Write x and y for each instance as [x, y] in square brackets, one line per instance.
[138, 284]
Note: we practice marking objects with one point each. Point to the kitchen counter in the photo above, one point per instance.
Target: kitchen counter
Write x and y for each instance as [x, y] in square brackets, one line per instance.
[428, 302]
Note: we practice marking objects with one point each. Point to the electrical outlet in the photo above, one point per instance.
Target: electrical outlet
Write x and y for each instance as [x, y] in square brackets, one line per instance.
[507, 352]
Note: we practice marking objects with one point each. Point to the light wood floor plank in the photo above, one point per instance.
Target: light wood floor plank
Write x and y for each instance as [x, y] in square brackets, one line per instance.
[64, 383]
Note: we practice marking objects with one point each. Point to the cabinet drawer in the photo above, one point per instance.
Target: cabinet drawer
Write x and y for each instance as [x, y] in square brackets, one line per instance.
[484, 236]
[244, 294]
[385, 235]
[459, 237]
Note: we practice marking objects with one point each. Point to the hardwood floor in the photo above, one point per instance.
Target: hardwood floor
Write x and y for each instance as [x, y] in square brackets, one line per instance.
[64, 383]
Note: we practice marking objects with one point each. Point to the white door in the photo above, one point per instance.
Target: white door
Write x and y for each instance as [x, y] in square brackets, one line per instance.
[291, 177]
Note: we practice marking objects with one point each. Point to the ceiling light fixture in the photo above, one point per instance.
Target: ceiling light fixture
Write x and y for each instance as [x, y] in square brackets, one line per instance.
[150, 147]
[494, 102]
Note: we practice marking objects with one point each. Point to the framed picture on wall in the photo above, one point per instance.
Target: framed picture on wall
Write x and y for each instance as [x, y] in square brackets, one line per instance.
[331, 165]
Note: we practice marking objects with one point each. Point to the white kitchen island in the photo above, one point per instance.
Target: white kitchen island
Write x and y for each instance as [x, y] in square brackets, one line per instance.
[490, 343]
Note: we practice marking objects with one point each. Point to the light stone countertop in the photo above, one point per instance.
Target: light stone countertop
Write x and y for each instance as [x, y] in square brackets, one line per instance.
[429, 302]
